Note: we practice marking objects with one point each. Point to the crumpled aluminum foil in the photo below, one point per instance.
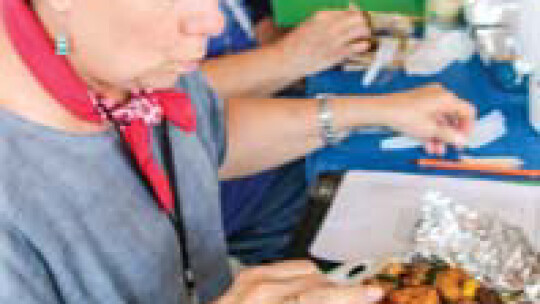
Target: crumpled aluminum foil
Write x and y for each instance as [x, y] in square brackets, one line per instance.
[498, 253]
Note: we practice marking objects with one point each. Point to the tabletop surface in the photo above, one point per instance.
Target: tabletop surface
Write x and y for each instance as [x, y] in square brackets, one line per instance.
[470, 80]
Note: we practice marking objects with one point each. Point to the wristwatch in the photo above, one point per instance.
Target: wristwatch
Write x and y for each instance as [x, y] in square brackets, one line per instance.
[325, 117]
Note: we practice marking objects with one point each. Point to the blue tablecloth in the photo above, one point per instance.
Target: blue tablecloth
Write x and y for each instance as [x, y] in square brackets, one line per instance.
[469, 80]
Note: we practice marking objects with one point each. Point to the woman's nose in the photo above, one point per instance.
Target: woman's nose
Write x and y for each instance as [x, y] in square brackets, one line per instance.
[207, 20]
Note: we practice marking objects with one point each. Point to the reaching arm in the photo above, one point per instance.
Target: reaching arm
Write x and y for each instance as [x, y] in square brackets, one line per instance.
[264, 133]
[256, 73]
[320, 43]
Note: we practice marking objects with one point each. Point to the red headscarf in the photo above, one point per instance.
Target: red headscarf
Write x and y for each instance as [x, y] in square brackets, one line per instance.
[59, 79]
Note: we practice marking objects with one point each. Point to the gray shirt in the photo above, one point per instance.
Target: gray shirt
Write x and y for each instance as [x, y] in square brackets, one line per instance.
[78, 226]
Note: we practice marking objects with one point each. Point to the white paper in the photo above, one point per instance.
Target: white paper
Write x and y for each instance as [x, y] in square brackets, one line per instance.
[529, 43]
[487, 129]
[400, 143]
[439, 50]
[373, 213]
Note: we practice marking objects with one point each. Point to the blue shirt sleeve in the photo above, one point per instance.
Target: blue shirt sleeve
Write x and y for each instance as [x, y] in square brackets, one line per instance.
[234, 39]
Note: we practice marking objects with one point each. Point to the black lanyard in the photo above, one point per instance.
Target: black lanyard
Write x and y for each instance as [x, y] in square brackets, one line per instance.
[176, 217]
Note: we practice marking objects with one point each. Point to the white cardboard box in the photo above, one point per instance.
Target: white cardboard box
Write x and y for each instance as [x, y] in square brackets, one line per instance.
[374, 213]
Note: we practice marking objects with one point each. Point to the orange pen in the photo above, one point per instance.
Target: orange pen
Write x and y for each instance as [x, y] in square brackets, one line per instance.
[481, 167]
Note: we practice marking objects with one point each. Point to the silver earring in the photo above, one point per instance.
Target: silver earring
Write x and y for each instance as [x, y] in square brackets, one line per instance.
[61, 45]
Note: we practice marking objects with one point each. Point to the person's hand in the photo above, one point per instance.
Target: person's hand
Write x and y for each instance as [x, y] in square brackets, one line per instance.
[433, 114]
[325, 40]
[296, 282]
[267, 32]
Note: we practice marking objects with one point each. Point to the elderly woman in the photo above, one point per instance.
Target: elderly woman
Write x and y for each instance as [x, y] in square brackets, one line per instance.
[109, 179]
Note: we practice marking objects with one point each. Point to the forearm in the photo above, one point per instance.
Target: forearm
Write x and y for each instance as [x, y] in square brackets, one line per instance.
[265, 133]
[256, 73]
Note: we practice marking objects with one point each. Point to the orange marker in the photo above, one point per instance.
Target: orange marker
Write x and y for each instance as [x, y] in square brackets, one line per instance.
[484, 168]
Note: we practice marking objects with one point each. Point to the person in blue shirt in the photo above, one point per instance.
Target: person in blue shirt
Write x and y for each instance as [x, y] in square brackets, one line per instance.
[323, 41]
[253, 58]
[259, 212]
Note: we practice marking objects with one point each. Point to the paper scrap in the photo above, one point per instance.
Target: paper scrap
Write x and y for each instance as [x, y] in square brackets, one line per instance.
[440, 49]
[387, 52]
[488, 129]
[399, 143]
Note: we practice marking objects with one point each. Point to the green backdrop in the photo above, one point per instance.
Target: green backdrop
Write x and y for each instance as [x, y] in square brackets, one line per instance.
[288, 13]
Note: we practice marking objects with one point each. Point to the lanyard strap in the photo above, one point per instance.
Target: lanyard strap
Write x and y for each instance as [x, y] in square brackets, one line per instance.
[176, 217]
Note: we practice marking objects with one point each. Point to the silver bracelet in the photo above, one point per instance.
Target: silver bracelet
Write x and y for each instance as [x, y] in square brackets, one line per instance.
[327, 130]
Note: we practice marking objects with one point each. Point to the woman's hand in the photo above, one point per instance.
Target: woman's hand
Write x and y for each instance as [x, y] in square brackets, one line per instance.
[432, 114]
[323, 41]
[294, 283]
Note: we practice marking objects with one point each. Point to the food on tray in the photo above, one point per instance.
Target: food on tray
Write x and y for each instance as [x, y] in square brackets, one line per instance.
[431, 282]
